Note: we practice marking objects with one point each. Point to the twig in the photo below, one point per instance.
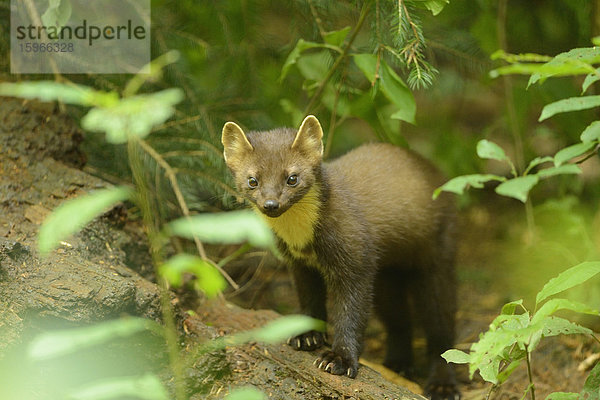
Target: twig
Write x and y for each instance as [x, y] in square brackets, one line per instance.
[531, 385]
[172, 177]
[338, 61]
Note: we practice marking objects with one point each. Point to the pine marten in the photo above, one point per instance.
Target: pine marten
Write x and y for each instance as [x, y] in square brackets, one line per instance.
[361, 230]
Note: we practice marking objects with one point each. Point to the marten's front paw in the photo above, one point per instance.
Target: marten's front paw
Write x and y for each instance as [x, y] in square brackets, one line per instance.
[337, 365]
[308, 341]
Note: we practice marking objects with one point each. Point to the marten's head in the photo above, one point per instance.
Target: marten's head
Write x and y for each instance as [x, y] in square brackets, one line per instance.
[274, 169]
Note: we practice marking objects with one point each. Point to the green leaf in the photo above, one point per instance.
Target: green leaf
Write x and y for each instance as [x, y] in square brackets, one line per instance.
[246, 393]
[459, 184]
[146, 387]
[591, 387]
[573, 151]
[518, 188]
[570, 104]
[295, 54]
[591, 133]
[209, 279]
[563, 396]
[510, 308]
[74, 214]
[57, 14]
[59, 343]
[571, 277]
[133, 116]
[562, 170]
[51, 91]
[554, 326]
[553, 305]
[507, 372]
[537, 161]
[573, 62]
[435, 6]
[226, 228]
[336, 38]
[490, 150]
[391, 85]
[456, 356]
[590, 79]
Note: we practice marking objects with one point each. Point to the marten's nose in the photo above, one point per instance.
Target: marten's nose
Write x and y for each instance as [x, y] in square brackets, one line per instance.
[271, 205]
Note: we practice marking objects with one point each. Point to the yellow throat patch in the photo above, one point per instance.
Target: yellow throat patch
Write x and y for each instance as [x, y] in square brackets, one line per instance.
[296, 226]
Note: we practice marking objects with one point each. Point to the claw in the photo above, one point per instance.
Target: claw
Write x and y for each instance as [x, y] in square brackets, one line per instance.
[289, 341]
[329, 367]
[298, 343]
[308, 342]
[321, 364]
[349, 372]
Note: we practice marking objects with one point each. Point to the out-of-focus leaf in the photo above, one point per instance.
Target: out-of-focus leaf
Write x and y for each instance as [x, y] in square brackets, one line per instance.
[490, 150]
[459, 184]
[390, 84]
[517, 188]
[227, 228]
[509, 308]
[571, 277]
[57, 14]
[65, 93]
[591, 387]
[578, 60]
[59, 343]
[563, 396]
[146, 387]
[435, 6]
[537, 161]
[245, 393]
[336, 38]
[74, 214]
[209, 279]
[591, 133]
[295, 54]
[570, 104]
[590, 79]
[562, 170]
[554, 305]
[573, 151]
[133, 116]
[456, 356]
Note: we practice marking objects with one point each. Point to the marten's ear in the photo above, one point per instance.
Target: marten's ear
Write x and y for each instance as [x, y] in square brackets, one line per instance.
[234, 141]
[309, 137]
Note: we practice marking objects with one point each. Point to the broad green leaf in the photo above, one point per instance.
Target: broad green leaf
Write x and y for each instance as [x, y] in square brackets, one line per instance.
[571, 277]
[226, 228]
[295, 54]
[146, 387]
[573, 151]
[391, 85]
[562, 170]
[74, 214]
[554, 326]
[553, 305]
[65, 93]
[459, 184]
[435, 6]
[590, 79]
[563, 396]
[518, 188]
[336, 38]
[541, 70]
[490, 150]
[313, 67]
[59, 343]
[591, 133]
[456, 356]
[57, 14]
[208, 278]
[570, 104]
[133, 116]
[591, 387]
[537, 161]
[509, 308]
[246, 393]
[575, 62]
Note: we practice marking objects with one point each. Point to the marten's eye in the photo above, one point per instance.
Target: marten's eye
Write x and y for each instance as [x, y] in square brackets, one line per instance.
[252, 182]
[292, 180]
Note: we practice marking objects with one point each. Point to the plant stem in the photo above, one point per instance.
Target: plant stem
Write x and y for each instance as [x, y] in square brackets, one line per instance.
[338, 61]
[529, 374]
[172, 177]
[154, 239]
